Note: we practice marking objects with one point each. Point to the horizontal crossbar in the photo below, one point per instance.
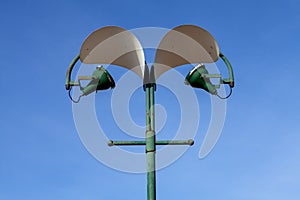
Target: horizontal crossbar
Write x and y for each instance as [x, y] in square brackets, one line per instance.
[160, 142]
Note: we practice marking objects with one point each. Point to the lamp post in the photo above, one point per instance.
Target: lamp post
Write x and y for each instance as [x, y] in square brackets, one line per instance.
[115, 45]
[150, 141]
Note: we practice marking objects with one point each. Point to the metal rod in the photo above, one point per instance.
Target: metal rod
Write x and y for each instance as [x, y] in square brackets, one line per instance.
[231, 76]
[70, 68]
[125, 143]
[160, 142]
[175, 142]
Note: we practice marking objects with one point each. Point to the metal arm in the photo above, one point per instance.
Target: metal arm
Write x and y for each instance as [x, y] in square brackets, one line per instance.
[230, 80]
[69, 72]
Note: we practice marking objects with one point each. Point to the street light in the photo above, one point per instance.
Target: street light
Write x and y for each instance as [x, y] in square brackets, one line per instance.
[182, 45]
[107, 45]
[187, 44]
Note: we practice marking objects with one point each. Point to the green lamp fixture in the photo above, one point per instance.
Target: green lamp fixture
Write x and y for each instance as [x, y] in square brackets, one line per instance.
[197, 78]
[100, 80]
[200, 78]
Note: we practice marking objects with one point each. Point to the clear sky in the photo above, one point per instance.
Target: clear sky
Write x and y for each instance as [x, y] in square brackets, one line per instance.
[257, 156]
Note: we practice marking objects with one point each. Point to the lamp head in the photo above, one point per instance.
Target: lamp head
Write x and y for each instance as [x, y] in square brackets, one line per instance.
[197, 78]
[100, 80]
[200, 78]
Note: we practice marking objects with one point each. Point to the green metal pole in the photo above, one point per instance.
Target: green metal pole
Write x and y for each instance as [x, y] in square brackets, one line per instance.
[150, 142]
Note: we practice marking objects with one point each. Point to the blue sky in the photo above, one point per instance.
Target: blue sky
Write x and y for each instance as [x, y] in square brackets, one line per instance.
[257, 156]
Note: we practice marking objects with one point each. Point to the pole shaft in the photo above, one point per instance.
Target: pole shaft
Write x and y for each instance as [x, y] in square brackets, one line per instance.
[150, 142]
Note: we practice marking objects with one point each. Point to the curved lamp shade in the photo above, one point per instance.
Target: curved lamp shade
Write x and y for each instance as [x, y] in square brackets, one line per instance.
[114, 45]
[183, 45]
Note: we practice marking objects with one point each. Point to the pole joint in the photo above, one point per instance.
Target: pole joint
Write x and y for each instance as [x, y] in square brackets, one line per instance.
[150, 141]
[149, 85]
